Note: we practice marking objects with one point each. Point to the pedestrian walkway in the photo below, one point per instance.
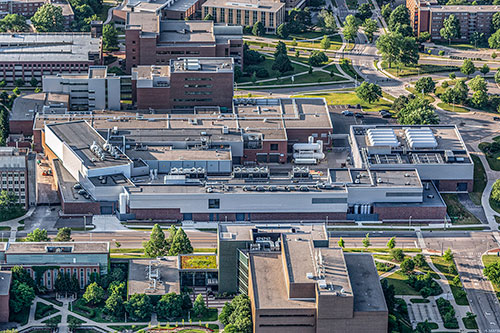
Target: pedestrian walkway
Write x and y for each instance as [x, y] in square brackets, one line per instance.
[107, 223]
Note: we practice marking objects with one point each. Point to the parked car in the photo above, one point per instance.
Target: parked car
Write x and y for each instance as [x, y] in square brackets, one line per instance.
[359, 115]
[347, 113]
[496, 118]
[385, 114]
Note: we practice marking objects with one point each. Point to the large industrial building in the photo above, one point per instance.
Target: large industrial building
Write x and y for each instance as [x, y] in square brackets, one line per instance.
[245, 164]
[28, 55]
[297, 283]
[429, 15]
[97, 90]
[187, 83]
[149, 40]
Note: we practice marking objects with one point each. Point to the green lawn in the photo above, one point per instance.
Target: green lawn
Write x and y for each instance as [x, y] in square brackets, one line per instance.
[332, 67]
[134, 328]
[456, 45]
[444, 267]
[402, 70]
[398, 280]
[43, 310]
[52, 300]
[452, 107]
[53, 320]
[479, 180]
[489, 259]
[346, 66]
[12, 214]
[78, 320]
[351, 98]
[268, 64]
[457, 212]
[94, 312]
[426, 96]
[493, 161]
[470, 324]
[419, 300]
[315, 77]
[378, 249]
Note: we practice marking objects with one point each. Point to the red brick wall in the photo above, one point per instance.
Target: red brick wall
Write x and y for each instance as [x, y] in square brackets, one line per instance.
[4, 308]
[251, 154]
[157, 214]
[302, 135]
[132, 57]
[451, 185]
[80, 208]
[21, 127]
[404, 213]
[156, 98]
[297, 216]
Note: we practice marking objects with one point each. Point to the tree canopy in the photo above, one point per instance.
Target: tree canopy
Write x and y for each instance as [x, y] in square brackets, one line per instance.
[48, 18]
[38, 235]
[425, 85]
[418, 111]
[63, 235]
[369, 92]
[451, 28]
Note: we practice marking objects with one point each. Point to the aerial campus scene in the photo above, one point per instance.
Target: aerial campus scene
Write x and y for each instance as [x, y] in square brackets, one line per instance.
[281, 166]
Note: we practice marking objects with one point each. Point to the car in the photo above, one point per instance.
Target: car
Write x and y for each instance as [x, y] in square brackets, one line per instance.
[347, 113]
[496, 118]
[386, 114]
[383, 111]
[359, 115]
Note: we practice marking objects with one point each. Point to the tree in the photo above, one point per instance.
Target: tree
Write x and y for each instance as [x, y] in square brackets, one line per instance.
[386, 11]
[451, 28]
[423, 327]
[485, 69]
[391, 243]
[492, 272]
[199, 306]
[34, 82]
[364, 11]
[280, 49]
[478, 84]
[16, 92]
[418, 111]
[230, 328]
[326, 20]
[468, 67]
[171, 234]
[19, 83]
[241, 317]
[399, 16]
[225, 313]
[282, 31]
[389, 45]
[479, 98]
[369, 92]
[109, 37]
[74, 323]
[156, 245]
[258, 29]
[48, 18]
[366, 241]
[317, 58]
[114, 305]
[423, 37]
[452, 76]
[341, 242]
[425, 85]
[169, 306]
[180, 244]
[208, 17]
[370, 27]
[299, 20]
[21, 296]
[494, 40]
[63, 235]
[407, 265]
[94, 293]
[351, 28]
[457, 94]
[325, 43]
[38, 235]
[419, 260]
[495, 22]
[139, 307]
[497, 76]
[13, 23]
[448, 255]
[398, 255]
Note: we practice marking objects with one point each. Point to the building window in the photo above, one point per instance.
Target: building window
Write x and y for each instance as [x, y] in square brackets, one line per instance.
[274, 146]
[187, 216]
[238, 16]
[254, 17]
[230, 16]
[213, 203]
[247, 18]
[222, 14]
[271, 19]
[205, 12]
[214, 14]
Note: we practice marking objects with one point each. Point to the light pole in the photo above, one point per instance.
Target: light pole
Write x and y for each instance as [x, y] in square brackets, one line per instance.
[409, 221]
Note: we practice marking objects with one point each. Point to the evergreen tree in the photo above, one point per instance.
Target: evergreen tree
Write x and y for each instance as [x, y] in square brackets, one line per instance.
[63, 235]
[156, 246]
[199, 306]
[180, 244]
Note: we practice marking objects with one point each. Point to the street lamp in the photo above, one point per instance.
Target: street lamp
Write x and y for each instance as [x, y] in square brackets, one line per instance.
[409, 221]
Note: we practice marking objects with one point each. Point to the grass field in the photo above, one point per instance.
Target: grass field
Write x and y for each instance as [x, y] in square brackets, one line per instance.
[426, 96]
[470, 323]
[43, 310]
[452, 108]
[398, 280]
[457, 212]
[479, 180]
[351, 98]
[444, 267]
[493, 161]
[489, 259]
[455, 45]
[346, 66]
[416, 69]
[268, 64]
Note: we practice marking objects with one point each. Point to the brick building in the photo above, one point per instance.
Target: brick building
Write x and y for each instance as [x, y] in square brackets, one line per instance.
[247, 12]
[152, 41]
[166, 9]
[5, 281]
[28, 55]
[28, 8]
[429, 16]
[75, 258]
[297, 283]
[184, 84]
[18, 174]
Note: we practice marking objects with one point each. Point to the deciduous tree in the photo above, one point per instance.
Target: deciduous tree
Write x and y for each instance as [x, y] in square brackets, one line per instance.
[451, 28]
[38, 235]
[369, 92]
[48, 18]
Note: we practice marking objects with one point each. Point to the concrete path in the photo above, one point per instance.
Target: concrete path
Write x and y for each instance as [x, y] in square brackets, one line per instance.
[14, 223]
[107, 223]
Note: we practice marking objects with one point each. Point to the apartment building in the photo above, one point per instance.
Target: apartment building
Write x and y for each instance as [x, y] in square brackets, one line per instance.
[28, 8]
[18, 174]
[97, 90]
[429, 16]
[187, 83]
[28, 55]
[152, 41]
[247, 12]
[296, 282]
[74, 258]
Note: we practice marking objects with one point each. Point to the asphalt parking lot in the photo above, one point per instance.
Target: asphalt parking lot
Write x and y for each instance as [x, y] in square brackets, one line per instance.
[341, 123]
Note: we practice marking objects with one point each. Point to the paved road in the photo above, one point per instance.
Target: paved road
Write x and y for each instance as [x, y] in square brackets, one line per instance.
[134, 239]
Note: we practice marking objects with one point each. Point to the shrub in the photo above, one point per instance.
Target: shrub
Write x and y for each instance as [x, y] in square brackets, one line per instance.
[397, 255]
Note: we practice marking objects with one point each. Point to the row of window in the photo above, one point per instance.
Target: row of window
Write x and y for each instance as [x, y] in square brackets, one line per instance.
[53, 65]
[192, 99]
[256, 16]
